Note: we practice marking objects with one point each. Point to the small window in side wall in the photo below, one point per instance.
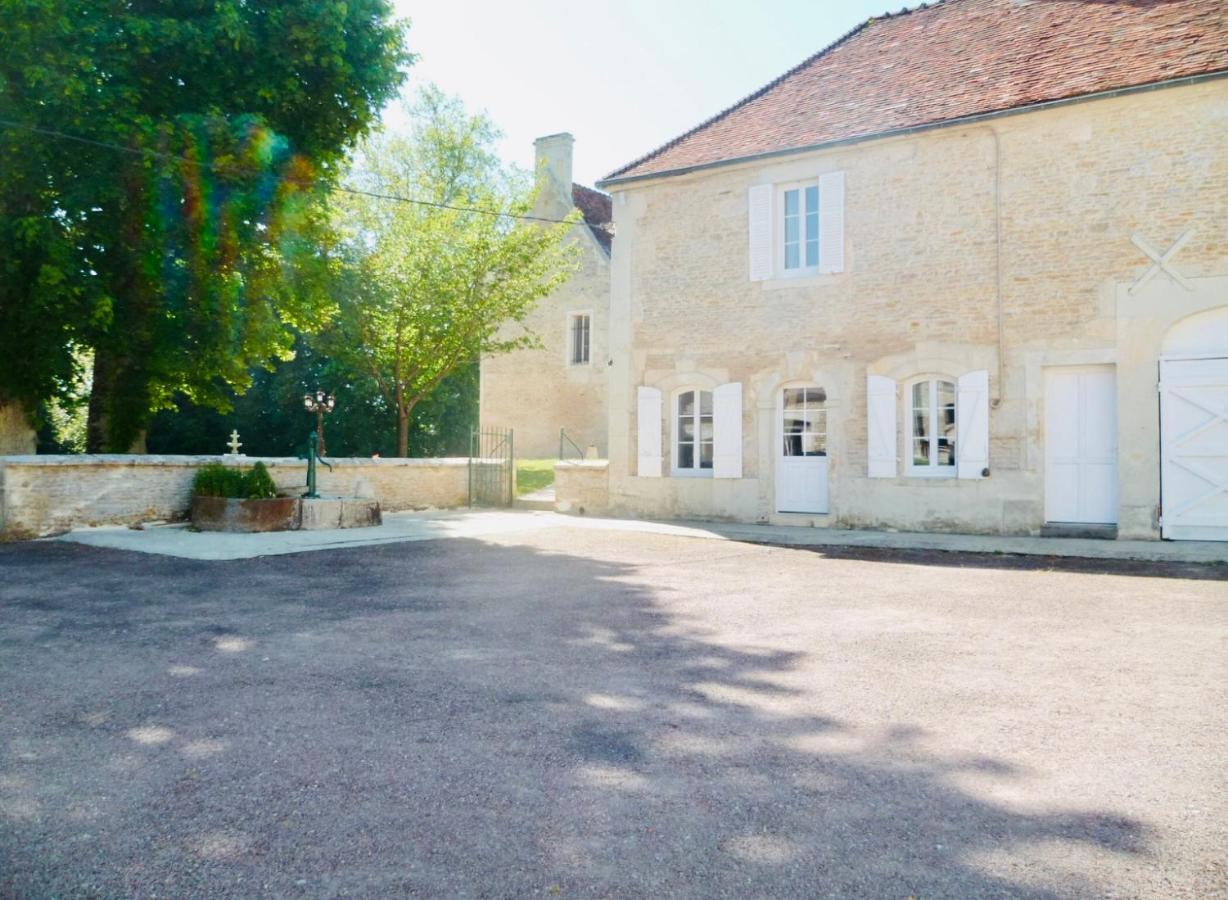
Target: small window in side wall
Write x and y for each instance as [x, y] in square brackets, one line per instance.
[931, 428]
[693, 433]
[579, 327]
[799, 250]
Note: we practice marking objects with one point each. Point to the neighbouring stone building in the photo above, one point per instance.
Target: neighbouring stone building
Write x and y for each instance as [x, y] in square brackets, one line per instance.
[965, 269]
[561, 385]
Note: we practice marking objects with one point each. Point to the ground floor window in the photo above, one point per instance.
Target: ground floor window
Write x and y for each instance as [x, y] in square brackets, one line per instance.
[931, 427]
[693, 432]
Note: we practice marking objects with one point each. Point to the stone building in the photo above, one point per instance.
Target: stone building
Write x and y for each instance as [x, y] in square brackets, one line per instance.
[562, 384]
[965, 269]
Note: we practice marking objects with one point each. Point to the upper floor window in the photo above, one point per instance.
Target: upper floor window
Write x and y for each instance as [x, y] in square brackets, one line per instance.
[931, 428]
[693, 433]
[579, 329]
[800, 234]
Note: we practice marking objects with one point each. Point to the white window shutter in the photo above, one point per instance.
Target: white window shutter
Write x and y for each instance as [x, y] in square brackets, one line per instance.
[880, 418]
[759, 221]
[972, 424]
[727, 431]
[648, 428]
[831, 222]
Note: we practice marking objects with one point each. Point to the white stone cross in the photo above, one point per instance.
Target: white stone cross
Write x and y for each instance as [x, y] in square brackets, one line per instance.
[234, 444]
[1160, 262]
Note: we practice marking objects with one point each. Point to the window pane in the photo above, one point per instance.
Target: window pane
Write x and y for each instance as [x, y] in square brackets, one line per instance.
[686, 429]
[921, 411]
[705, 403]
[946, 394]
[946, 452]
[795, 398]
[812, 226]
[921, 452]
[705, 429]
[792, 235]
[794, 424]
[792, 445]
[705, 456]
[686, 404]
[686, 456]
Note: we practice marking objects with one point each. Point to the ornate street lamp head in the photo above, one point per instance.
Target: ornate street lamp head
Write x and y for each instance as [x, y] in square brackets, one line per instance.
[319, 402]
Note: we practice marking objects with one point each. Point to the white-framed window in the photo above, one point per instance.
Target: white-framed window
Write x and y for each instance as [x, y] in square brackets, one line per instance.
[579, 338]
[804, 425]
[798, 250]
[931, 427]
[694, 432]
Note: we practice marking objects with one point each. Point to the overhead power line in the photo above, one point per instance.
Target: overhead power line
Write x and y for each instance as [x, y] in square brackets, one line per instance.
[161, 154]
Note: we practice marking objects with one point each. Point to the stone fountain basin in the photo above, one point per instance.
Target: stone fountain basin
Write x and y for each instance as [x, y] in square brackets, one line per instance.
[284, 513]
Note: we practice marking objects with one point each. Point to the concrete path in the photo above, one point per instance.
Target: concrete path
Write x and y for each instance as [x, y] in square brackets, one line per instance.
[178, 540]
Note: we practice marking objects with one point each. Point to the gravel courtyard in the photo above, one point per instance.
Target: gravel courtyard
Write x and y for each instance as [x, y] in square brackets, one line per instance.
[580, 713]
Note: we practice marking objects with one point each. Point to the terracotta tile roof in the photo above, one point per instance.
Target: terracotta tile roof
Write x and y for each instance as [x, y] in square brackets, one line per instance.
[598, 212]
[953, 59]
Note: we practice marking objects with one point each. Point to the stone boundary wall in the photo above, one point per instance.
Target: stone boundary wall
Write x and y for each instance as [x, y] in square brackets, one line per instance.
[582, 486]
[42, 495]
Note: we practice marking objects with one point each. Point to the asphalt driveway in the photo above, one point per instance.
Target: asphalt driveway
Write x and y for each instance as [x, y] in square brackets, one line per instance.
[574, 712]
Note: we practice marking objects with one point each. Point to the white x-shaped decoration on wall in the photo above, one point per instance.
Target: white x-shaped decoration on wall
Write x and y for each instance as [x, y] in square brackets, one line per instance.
[1161, 262]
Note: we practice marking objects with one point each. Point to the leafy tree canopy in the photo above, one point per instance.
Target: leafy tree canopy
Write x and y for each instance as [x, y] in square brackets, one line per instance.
[434, 285]
[185, 259]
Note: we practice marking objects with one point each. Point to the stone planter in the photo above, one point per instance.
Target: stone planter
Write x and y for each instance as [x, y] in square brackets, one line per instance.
[284, 514]
[229, 514]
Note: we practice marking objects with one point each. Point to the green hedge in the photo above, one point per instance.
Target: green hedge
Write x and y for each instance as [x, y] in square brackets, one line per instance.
[217, 480]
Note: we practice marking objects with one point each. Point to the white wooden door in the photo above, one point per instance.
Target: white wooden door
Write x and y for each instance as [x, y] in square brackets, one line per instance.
[1081, 444]
[1194, 449]
[801, 451]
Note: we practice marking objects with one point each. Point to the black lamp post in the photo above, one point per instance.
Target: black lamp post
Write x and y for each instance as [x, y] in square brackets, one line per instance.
[319, 403]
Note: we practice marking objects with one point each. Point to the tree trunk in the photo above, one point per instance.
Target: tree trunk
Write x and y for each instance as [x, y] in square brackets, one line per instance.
[100, 396]
[402, 431]
[16, 435]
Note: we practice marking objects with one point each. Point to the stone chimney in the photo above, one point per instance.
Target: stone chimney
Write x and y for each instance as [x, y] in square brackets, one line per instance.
[553, 164]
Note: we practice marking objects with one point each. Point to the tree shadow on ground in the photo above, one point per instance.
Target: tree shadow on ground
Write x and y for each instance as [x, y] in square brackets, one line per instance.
[458, 717]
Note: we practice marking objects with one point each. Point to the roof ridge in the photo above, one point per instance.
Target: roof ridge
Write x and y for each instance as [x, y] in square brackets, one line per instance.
[771, 84]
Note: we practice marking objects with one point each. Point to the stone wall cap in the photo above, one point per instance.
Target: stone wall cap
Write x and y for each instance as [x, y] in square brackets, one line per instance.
[582, 464]
[137, 459]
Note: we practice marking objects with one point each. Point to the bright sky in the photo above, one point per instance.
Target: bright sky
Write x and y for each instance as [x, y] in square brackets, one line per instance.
[623, 76]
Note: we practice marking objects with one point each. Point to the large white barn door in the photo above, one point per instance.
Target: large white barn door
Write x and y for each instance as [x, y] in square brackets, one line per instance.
[1081, 445]
[1194, 449]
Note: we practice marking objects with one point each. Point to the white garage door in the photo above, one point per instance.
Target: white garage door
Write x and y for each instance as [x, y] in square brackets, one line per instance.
[1081, 444]
[1194, 449]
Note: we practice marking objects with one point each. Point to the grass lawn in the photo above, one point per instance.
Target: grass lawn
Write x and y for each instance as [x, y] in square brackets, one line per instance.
[533, 474]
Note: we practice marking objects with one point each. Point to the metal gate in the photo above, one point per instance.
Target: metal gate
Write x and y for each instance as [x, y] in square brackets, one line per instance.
[492, 464]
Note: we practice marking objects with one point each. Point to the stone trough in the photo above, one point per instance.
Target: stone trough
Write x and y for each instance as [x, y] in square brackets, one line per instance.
[284, 513]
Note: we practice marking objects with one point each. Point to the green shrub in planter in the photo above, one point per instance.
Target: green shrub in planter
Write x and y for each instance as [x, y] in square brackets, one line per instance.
[216, 480]
[258, 483]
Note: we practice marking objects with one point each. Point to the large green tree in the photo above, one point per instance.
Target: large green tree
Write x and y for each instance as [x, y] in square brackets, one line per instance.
[190, 256]
[435, 284]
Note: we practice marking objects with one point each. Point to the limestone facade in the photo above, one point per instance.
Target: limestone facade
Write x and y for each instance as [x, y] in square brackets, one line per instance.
[1007, 247]
[539, 391]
